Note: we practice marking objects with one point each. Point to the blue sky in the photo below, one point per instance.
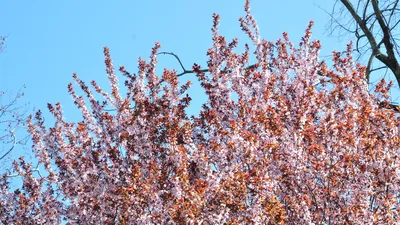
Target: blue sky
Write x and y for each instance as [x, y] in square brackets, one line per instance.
[49, 40]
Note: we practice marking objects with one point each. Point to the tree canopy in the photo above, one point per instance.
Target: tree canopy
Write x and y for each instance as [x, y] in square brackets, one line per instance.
[285, 139]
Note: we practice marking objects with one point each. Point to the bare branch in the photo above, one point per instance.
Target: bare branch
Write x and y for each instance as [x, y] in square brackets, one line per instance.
[171, 53]
[185, 71]
[365, 10]
[368, 70]
[392, 11]
[361, 23]
[12, 146]
[385, 30]
[397, 23]
[337, 22]
[192, 71]
[12, 117]
[379, 68]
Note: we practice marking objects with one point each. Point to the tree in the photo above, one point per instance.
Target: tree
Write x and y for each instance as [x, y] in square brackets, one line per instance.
[301, 143]
[12, 118]
[374, 24]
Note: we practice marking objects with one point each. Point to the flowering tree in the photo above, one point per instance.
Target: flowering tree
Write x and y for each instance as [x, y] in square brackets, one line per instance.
[300, 143]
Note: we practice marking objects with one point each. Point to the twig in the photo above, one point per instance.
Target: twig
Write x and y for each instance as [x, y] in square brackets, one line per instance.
[32, 171]
[379, 68]
[185, 71]
[18, 175]
[12, 147]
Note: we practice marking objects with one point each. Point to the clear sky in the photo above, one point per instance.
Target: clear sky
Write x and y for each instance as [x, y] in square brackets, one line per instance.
[49, 40]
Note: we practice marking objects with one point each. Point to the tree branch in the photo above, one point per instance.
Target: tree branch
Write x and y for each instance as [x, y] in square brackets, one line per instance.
[392, 12]
[379, 68]
[12, 147]
[361, 23]
[390, 59]
[37, 170]
[385, 30]
[368, 69]
[185, 71]
[336, 21]
[171, 53]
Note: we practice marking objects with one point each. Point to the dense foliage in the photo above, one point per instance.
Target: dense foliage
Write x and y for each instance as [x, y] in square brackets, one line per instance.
[286, 140]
